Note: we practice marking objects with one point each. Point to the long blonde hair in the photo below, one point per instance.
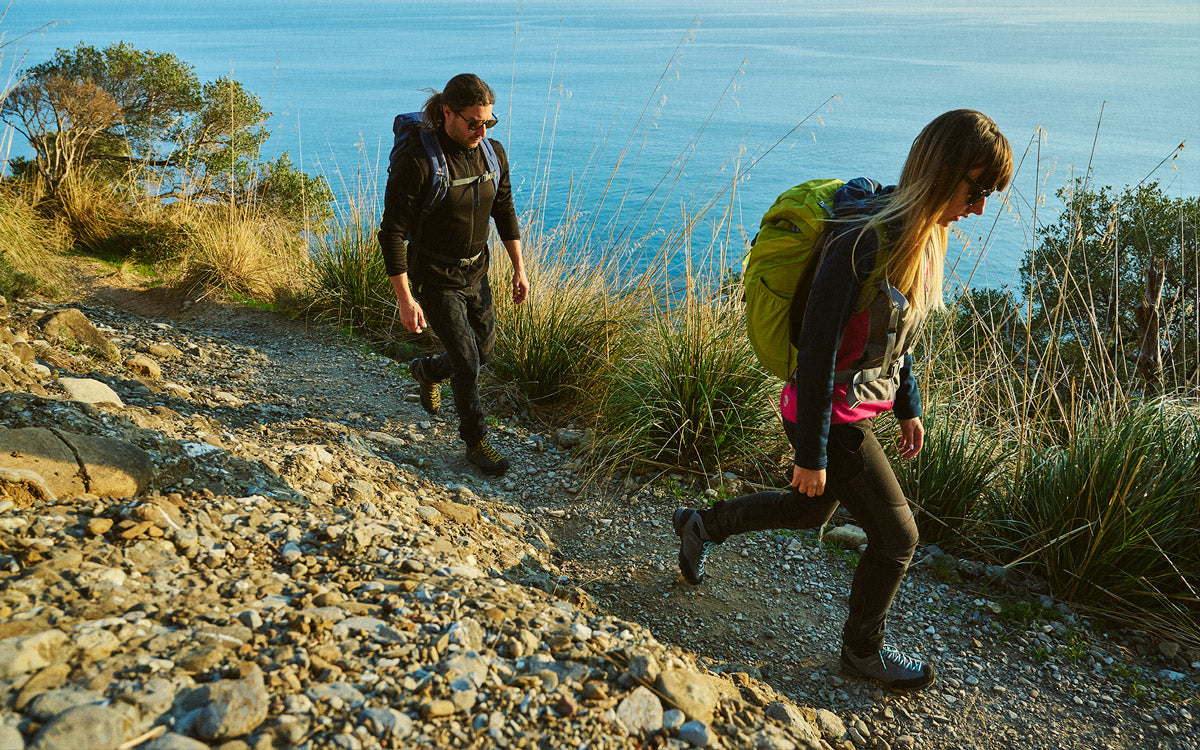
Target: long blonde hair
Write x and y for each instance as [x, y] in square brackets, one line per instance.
[946, 149]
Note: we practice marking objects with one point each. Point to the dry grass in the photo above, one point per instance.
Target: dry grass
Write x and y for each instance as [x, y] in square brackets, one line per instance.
[32, 249]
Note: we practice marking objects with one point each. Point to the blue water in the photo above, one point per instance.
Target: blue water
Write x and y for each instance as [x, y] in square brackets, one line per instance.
[681, 96]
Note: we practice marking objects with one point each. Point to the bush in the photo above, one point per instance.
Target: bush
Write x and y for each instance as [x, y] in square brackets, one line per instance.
[32, 249]
[346, 279]
[554, 346]
[1111, 519]
[953, 479]
[689, 391]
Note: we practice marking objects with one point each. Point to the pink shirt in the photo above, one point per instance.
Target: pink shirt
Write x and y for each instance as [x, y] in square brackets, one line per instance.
[854, 339]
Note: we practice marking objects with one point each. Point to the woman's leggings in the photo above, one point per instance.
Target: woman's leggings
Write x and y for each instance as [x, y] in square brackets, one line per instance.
[858, 476]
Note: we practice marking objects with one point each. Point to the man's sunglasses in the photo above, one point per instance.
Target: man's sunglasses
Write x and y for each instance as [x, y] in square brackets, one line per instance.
[976, 192]
[477, 124]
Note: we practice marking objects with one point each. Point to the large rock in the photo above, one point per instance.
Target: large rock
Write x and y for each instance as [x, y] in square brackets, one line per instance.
[92, 726]
[90, 391]
[693, 693]
[236, 707]
[641, 711]
[72, 326]
[71, 465]
[30, 653]
[38, 450]
[113, 468]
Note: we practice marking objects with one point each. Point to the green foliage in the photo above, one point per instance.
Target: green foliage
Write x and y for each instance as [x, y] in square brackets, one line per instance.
[348, 282]
[1087, 273]
[142, 122]
[554, 346]
[32, 257]
[689, 391]
[1111, 519]
[952, 479]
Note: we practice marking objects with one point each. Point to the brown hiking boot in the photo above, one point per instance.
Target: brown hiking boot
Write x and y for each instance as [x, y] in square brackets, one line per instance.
[487, 458]
[431, 391]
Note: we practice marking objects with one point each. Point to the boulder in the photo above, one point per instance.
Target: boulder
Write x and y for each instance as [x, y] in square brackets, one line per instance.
[72, 326]
[70, 465]
[90, 391]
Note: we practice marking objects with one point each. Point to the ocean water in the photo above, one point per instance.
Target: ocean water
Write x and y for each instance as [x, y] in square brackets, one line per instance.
[643, 118]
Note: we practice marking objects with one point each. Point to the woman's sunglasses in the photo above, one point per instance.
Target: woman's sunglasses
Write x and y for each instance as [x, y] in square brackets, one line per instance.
[477, 124]
[976, 192]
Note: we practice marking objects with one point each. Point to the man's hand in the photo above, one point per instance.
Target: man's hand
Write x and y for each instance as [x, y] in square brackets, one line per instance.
[412, 317]
[809, 482]
[912, 437]
[520, 286]
[520, 282]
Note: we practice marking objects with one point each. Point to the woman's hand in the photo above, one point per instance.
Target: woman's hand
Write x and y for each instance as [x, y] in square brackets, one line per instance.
[912, 437]
[809, 482]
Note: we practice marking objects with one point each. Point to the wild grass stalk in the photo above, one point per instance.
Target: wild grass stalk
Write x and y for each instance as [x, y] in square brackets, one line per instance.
[956, 480]
[1111, 518]
[32, 249]
[554, 347]
[688, 390]
[347, 282]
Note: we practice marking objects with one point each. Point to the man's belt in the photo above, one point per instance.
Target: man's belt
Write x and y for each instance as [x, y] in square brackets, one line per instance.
[446, 260]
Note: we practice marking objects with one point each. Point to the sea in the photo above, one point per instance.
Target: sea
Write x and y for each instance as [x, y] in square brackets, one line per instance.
[645, 128]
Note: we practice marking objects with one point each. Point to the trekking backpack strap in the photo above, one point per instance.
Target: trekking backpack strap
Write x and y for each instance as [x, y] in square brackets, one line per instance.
[493, 162]
[439, 181]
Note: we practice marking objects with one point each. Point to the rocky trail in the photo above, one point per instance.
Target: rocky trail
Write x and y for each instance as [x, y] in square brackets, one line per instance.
[220, 528]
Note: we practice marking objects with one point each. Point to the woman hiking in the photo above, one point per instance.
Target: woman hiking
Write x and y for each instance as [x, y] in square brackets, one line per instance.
[854, 362]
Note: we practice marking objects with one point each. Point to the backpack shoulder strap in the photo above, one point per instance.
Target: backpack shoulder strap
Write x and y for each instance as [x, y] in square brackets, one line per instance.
[439, 181]
[493, 162]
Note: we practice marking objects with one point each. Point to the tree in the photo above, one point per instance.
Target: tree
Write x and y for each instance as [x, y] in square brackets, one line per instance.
[61, 117]
[1088, 274]
[143, 117]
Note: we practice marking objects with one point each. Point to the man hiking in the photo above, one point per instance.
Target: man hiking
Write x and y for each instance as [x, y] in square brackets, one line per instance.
[444, 186]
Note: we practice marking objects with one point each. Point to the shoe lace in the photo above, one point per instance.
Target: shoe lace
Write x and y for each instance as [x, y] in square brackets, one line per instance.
[703, 553]
[488, 451]
[904, 661]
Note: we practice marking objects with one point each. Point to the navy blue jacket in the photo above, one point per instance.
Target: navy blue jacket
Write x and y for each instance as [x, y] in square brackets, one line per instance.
[849, 261]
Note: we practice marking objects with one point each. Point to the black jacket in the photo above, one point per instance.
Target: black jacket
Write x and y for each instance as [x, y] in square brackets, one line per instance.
[455, 228]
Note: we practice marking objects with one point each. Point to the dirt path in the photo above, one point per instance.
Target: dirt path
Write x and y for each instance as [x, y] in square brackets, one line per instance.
[1016, 670]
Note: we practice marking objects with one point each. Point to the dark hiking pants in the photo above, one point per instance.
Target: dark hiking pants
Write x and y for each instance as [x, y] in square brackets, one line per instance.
[465, 322]
[858, 476]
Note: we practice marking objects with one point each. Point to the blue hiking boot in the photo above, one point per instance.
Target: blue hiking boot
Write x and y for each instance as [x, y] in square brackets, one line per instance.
[895, 670]
[694, 544]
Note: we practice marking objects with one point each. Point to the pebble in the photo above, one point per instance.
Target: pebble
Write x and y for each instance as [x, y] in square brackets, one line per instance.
[288, 580]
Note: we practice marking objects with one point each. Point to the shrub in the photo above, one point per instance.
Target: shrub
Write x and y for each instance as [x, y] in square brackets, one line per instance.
[31, 250]
[953, 478]
[1111, 518]
[689, 390]
[555, 345]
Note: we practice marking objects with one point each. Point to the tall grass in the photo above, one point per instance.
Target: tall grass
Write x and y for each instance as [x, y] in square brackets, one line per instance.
[244, 253]
[32, 249]
[689, 390]
[347, 282]
[956, 481]
[1112, 519]
[554, 348]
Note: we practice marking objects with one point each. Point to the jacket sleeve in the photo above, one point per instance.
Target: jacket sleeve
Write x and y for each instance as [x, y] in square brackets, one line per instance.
[503, 212]
[406, 187]
[908, 396]
[849, 258]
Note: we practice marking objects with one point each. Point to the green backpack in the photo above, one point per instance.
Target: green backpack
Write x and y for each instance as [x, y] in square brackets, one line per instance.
[783, 254]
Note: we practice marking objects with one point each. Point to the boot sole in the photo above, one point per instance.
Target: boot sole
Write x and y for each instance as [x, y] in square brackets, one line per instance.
[904, 686]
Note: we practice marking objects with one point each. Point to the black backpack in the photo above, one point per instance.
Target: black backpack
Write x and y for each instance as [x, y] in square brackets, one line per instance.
[408, 129]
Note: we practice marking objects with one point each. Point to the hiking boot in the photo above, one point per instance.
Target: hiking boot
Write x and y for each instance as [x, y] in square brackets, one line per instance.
[694, 544]
[431, 392]
[895, 670]
[487, 458]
